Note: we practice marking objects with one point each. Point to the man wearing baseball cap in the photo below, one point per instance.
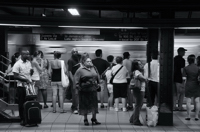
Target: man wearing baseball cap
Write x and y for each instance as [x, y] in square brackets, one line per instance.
[179, 89]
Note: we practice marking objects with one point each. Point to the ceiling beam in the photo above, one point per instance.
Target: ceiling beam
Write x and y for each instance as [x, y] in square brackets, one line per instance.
[138, 5]
[133, 22]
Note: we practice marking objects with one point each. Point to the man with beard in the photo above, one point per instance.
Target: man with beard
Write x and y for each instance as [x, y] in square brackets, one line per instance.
[22, 70]
[73, 65]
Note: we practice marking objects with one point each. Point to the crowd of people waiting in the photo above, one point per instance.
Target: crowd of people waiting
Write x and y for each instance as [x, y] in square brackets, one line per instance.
[89, 78]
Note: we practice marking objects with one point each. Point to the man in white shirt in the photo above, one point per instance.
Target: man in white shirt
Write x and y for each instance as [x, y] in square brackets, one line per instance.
[153, 77]
[22, 70]
[128, 64]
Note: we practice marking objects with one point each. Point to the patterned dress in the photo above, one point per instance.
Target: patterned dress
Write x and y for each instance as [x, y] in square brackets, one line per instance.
[87, 81]
[43, 83]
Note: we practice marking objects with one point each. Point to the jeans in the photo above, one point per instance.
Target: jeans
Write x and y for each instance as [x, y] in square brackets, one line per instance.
[139, 95]
[129, 94]
[21, 91]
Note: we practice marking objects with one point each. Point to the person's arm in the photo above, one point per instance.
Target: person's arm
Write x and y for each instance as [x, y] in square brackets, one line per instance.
[70, 65]
[17, 76]
[140, 76]
[184, 75]
[9, 70]
[76, 79]
[65, 69]
[37, 66]
[49, 69]
[146, 70]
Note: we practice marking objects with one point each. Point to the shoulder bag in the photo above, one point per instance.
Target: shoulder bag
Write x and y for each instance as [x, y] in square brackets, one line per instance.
[111, 79]
[135, 83]
[64, 77]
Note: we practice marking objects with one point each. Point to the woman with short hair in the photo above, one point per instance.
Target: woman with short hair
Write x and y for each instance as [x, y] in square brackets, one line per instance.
[87, 82]
[192, 88]
[119, 83]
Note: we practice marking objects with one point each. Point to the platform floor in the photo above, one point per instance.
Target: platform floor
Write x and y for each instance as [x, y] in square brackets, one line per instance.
[111, 122]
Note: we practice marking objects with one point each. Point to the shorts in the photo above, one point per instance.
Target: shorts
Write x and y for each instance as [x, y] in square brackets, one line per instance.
[102, 84]
[120, 90]
[179, 88]
[110, 88]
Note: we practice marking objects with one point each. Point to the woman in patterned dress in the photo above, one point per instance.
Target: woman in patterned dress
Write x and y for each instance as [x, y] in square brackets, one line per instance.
[87, 79]
[43, 83]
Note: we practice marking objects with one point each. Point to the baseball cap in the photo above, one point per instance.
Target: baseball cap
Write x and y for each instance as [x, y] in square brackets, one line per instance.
[181, 49]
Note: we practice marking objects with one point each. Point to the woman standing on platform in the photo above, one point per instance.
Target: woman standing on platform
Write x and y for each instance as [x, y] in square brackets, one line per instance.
[37, 70]
[43, 83]
[192, 87]
[120, 74]
[56, 82]
[87, 82]
[137, 69]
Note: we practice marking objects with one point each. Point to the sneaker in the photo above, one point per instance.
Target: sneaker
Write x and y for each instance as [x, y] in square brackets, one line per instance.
[75, 112]
[124, 109]
[116, 109]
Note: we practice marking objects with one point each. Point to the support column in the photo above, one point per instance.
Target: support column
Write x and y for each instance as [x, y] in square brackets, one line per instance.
[152, 42]
[4, 47]
[166, 77]
[3, 41]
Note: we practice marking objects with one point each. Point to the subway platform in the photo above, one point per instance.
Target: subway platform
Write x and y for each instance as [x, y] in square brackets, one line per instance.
[111, 121]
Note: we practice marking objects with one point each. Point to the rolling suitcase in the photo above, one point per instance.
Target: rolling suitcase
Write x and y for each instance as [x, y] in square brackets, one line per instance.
[32, 113]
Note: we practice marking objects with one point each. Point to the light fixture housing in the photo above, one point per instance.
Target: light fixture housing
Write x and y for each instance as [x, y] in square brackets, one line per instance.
[74, 11]
[19, 25]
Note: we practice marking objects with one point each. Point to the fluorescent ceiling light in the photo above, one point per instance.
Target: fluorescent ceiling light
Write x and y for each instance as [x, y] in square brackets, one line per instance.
[73, 11]
[23, 25]
[187, 27]
[103, 27]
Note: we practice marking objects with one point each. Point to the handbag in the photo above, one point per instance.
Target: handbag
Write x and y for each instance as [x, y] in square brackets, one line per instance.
[30, 91]
[135, 83]
[64, 77]
[111, 79]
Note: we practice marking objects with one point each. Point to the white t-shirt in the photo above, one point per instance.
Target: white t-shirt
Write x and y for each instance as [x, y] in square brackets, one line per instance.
[137, 73]
[121, 75]
[154, 75]
[22, 68]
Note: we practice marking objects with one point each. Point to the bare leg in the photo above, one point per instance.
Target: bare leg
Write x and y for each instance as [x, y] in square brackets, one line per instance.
[188, 107]
[124, 102]
[44, 95]
[197, 107]
[117, 103]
